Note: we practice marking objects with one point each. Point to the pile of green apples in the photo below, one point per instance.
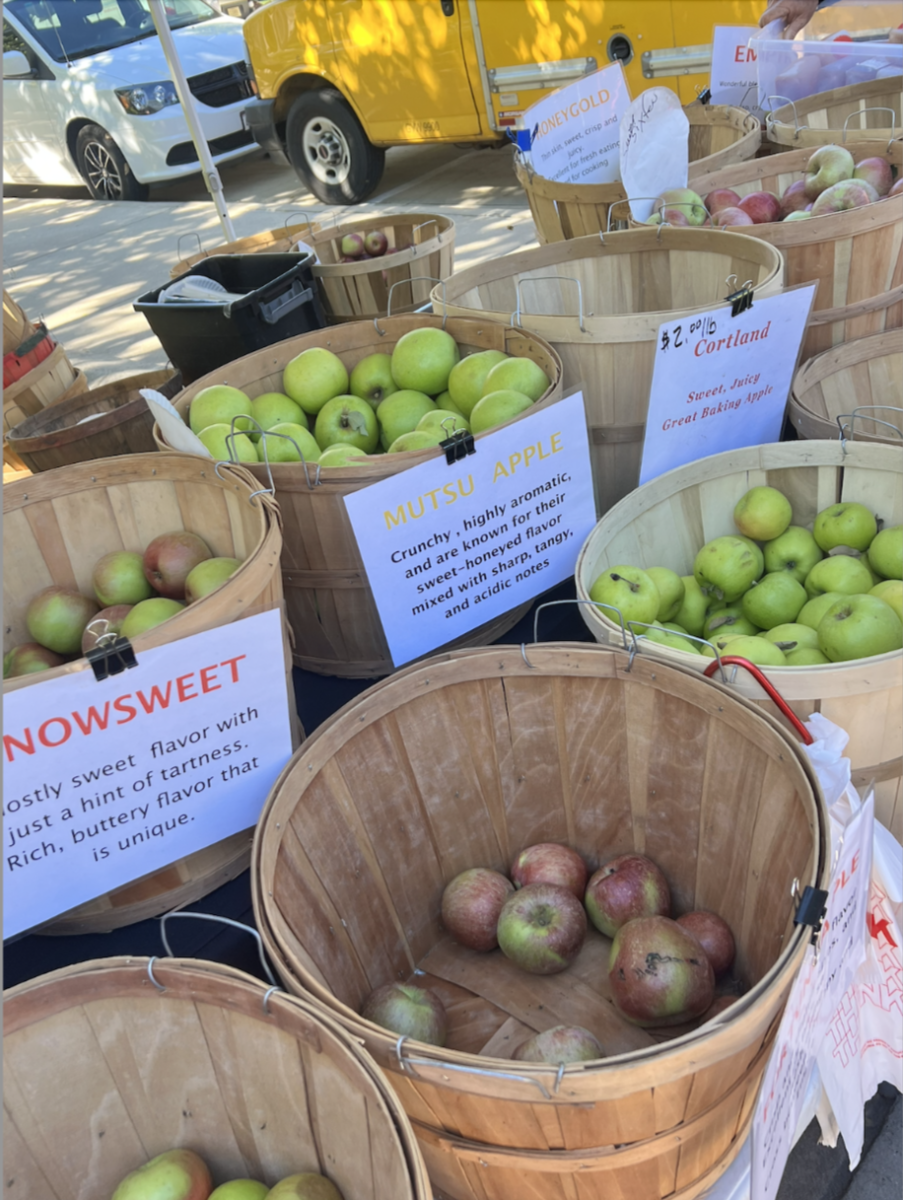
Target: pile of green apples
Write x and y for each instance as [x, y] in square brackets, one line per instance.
[411, 399]
[775, 593]
[183, 1175]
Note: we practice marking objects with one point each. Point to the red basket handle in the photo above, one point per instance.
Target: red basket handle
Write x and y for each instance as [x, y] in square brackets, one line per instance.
[763, 681]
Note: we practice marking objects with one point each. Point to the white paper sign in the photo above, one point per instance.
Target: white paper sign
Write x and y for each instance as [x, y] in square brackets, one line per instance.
[104, 782]
[574, 131]
[722, 382]
[655, 148]
[813, 1000]
[448, 548]
[735, 75]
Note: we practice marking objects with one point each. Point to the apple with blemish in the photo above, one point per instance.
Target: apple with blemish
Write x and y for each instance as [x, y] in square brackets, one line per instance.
[627, 887]
[471, 904]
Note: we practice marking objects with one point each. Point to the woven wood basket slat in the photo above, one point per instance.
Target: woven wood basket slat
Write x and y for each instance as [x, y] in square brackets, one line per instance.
[866, 373]
[819, 120]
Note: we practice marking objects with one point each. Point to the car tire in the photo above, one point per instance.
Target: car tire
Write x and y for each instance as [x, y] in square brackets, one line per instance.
[104, 168]
[329, 150]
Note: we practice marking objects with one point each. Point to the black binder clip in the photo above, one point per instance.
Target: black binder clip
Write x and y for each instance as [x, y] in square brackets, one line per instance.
[811, 911]
[111, 657]
[705, 96]
[458, 446]
[740, 301]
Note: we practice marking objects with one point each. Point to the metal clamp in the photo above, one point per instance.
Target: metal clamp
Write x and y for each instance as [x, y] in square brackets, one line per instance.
[457, 445]
[220, 921]
[110, 656]
[410, 1064]
[767, 686]
[872, 108]
[740, 300]
[842, 418]
[811, 909]
[515, 316]
[769, 119]
[413, 279]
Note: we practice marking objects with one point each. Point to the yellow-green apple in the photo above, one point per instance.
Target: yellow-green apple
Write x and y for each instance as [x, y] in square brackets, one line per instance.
[412, 1011]
[691, 614]
[471, 904]
[685, 201]
[859, 626]
[806, 656]
[775, 599]
[627, 887]
[756, 551]
[447, 422]
[108, 620]
[27, 658]
[798, 216]
[795, 550]
[227, 446]
[560, 1044]
[838, 573]
[56, 618]
[376, 243]
[849, 193]
[148, 614]
[763, 207]
[629, 590]
[240, 1189]
[401, 412]
[670, 589]
[550, 862]
[731, 216]
[658, 972]
[445, 402]
[422, 360]
[118, 578]
[812, 612]
[845, 524]
[207, 576]
[541, 928]
[726, 566]
[313, 377]
[288, 443]
[169, 559]
[175, 1175]
[306, 1186]
[518, 375]
[676, 639]
[885, 552]
[876, 171]
[794, 198]
[352, 245]
[342, 455]
[417, 439]
[497, 408]
[757, 650]
[714, 935]
[891, 592]
[729, 618]
[721, 198]
[762, 513]
[791, 636]
[347, 419]
[217, 405]
[827, 166]
[720, 643]
[466, 379]
[371, 379]
[275, 408]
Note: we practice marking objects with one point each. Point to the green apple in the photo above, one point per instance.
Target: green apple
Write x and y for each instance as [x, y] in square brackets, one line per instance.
[239, 447]
[518, 375]
[119, 578]
[148, 614]
[795, 550]
[775, 599]
[288, 443]
[763, 513]
[692, 612]
[347, 419]
[56, 618]
[665, 637]
[465, 382]
[685, 201]
[29, 657]
[728, 618]
[845, 524]
[448, 422]
[422, 360]
[240, 1189]
[859, 627]
[792, 636]
[497, 408]
[725, 567]
[341, 455]
[756, 552]
[757, 650]
[445, 402]
[670, 589]
[313, 377]
[207, 576]
[371, 379]
[885, 553]
[217, 405]
[275, 408]
[720, 642]
[813, 611]
[839, 573]
[174, 1175]
[417, 439]
[307, 1186]
[805, 656]
[628, 589]
[402, 411]
[891, 592]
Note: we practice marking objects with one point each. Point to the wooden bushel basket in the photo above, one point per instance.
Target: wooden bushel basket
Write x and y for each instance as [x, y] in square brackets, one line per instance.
[103, 1070]
[856, 113]
[599, 303]
[46, 383]
[668, 520]
[273, 241]
[854, 256]
[55, 527]
[465, 759]
[334, 619]
[120, 423]
[15, 324]
[857, 387]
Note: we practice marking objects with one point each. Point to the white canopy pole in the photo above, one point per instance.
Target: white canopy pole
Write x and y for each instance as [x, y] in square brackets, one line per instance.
[210, 173]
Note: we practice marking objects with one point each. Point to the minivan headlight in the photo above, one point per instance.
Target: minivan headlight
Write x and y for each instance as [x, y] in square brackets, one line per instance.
[146, 98]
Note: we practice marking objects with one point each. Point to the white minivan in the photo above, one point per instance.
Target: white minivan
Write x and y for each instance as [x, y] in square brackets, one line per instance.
[87, 96]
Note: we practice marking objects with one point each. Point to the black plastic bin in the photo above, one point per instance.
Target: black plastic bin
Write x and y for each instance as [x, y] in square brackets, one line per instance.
[280, 299]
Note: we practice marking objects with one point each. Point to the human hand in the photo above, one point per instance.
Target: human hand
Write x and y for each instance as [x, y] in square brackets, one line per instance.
[794, 13]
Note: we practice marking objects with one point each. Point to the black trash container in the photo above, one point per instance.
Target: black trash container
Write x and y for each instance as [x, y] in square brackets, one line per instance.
[280, 299]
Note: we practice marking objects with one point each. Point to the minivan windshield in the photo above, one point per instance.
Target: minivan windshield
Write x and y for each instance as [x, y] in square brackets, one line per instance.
[70, 29]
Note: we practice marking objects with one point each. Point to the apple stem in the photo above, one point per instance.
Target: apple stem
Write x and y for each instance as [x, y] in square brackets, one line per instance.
[634, 587]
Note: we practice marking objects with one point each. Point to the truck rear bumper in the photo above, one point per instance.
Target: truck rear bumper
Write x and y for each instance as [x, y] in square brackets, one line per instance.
[262, 124]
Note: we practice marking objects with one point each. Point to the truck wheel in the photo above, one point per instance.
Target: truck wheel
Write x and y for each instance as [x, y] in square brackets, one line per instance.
[328, 148]
[104, 168]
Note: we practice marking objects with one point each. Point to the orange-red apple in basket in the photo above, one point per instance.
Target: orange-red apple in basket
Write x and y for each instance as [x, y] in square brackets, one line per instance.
[550, 862]
[170, 558]
[471, 904]
[794, 198]
[721, 198]
[175, 1175]
[763, 207]
[732, 216]
[714, 935]
[659, 974]
[542, 927]
[629, 886]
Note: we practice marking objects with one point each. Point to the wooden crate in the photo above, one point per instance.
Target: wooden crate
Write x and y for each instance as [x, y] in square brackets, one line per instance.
[630, 282]
[866, 374]
[668, 520]
[56, 525]
[336, 626]
[462, 761]
[855, 257]
[103, 1070]
[819, 120]
[273, 241]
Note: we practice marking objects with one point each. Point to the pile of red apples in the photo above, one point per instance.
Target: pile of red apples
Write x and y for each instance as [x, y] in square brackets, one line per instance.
[357, 247]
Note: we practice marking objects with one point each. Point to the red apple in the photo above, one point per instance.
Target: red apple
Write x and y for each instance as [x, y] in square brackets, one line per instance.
[542, 928]
[876, 171]
[659, 973]
[560, 1044]
[794, 198]
[713, 935]
[28, 658]
[721, 198]
[763, 207]
[629, 886]
[732, 216]
[412, 1011]
[306, 1186]
[108, 620]
[376, 243]
[170, 558]
[57, 616]
[827, 166]
[897, 189]
[674, 216]
[352, 245]
[175, 1175]
[471, 904]
[849, 193]
[549, 862]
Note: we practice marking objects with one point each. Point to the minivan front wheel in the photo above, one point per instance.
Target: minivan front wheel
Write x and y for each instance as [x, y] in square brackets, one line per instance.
[104, 168]
[328, 148]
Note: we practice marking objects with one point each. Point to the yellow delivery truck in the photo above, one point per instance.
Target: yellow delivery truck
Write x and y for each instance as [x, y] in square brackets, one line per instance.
[339, 81]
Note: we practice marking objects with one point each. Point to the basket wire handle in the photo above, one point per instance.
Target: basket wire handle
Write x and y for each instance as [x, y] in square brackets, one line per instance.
[270, 433]
[414, 278]
[297, 212]
[764, 682]
[409, 1063]
[423, 225]
[552, 604]
[842, 418]
[872, 108]
[624, 200]
[769, 116]
[196, 237]
[219, 921]
[518, 283]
